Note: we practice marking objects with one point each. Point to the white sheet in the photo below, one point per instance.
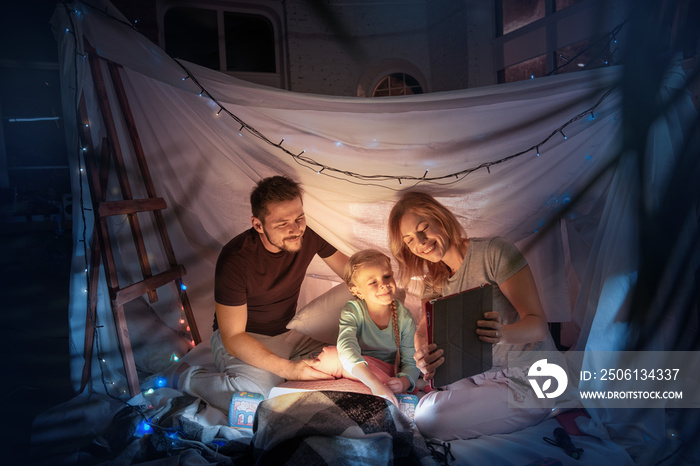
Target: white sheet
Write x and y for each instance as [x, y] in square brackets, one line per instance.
[527, 446]
[204, 165]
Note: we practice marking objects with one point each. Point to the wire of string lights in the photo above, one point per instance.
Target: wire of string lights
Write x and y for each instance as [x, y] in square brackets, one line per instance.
[359, 178]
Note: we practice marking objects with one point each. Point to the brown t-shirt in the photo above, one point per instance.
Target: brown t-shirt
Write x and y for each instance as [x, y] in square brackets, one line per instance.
[269, 283]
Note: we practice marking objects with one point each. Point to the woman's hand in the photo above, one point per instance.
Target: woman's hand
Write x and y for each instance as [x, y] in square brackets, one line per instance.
[428, 359]
[490, 330]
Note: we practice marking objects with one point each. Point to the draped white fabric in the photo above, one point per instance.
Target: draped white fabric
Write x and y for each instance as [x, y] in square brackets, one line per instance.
[205, 155]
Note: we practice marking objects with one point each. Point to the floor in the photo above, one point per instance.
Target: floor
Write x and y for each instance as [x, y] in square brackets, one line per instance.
[35, 264]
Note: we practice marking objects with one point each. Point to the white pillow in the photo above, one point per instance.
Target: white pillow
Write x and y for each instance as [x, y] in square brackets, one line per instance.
[320, 318]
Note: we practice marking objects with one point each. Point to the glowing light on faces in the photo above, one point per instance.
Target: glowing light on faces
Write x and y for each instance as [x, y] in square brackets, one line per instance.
[421, 238]
[284, 226]
[375, 284]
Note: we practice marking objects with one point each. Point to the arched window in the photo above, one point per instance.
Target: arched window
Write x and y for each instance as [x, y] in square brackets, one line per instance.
[397, 84]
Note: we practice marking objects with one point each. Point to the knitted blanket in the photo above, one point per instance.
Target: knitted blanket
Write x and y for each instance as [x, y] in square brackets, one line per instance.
[330, 427]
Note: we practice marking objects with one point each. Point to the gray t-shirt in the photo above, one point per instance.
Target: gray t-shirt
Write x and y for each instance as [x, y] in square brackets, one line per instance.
[492, 261]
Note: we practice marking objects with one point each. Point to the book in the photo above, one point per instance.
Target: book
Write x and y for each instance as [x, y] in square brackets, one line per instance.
[451, 324]
[337, 385]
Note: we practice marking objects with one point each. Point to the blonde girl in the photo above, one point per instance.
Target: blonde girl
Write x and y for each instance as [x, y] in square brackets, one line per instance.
[376, 336]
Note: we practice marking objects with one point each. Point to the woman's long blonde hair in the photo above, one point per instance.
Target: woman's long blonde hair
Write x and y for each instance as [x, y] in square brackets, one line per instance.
[423, 205]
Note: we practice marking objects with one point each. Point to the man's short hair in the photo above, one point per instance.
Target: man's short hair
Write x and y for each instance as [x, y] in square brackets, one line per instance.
[272, 190]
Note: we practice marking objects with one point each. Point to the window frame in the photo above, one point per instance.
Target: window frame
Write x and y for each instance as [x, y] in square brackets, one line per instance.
[557, 30]
[388, 76]
[277, 79]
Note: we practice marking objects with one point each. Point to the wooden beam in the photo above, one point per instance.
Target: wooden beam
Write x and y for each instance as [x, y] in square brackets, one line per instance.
[110, 208]
[137, 289]
[119, 165]
[127, 353]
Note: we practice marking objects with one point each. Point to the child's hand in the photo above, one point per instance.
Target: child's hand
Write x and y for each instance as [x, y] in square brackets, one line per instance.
[398, 384]
[385, 392]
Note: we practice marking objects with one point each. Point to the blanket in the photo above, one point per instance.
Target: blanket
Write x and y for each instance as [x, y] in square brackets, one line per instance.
[309, 428]
[330, 427]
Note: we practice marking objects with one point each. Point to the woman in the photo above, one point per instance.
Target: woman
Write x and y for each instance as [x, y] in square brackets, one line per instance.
[429, 243]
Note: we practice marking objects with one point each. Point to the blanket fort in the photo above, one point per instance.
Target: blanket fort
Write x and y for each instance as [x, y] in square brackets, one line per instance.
[538, 162]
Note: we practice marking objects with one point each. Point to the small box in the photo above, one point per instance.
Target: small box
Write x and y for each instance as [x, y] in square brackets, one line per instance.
[407, 404]
[242, 409]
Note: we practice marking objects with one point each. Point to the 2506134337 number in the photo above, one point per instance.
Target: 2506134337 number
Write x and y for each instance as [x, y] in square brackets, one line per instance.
[639, 374]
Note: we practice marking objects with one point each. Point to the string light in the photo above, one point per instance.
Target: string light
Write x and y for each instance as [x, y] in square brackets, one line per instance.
[143, 428]
[363, 179]
[603, 42]
[110, 386]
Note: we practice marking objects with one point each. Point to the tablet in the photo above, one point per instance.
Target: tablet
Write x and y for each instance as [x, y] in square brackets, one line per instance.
[451, 324]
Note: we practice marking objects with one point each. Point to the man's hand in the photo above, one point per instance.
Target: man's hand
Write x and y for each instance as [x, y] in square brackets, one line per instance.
[428, 360]
[304, 370]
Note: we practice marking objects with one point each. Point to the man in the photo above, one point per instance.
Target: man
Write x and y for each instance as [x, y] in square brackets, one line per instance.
[257, 283]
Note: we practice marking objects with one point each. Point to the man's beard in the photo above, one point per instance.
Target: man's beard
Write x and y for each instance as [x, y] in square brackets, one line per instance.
[282, 245]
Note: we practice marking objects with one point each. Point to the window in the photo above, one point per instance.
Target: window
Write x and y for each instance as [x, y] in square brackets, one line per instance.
[519, 13]
[525, 70]
[192, 34]
[584, 54]
[561, 4]
[543, 37]
[242, 43]
[397, 84]
[250, 43]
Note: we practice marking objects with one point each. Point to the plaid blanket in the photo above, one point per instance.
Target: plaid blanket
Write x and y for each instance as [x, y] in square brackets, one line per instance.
[330, 427]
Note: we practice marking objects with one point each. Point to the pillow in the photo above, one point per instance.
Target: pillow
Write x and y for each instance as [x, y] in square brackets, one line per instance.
[320, 318]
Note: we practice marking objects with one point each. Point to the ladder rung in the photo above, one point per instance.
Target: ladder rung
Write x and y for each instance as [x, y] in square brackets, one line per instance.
[132, 292]
[109, 208]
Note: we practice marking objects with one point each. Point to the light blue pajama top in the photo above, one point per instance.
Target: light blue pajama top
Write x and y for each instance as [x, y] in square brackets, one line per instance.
[359, 335]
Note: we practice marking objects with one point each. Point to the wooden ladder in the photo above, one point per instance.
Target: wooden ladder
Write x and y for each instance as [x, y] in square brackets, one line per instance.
[98, 165]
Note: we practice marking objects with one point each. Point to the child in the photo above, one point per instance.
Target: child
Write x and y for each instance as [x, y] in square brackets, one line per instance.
[374, 326]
